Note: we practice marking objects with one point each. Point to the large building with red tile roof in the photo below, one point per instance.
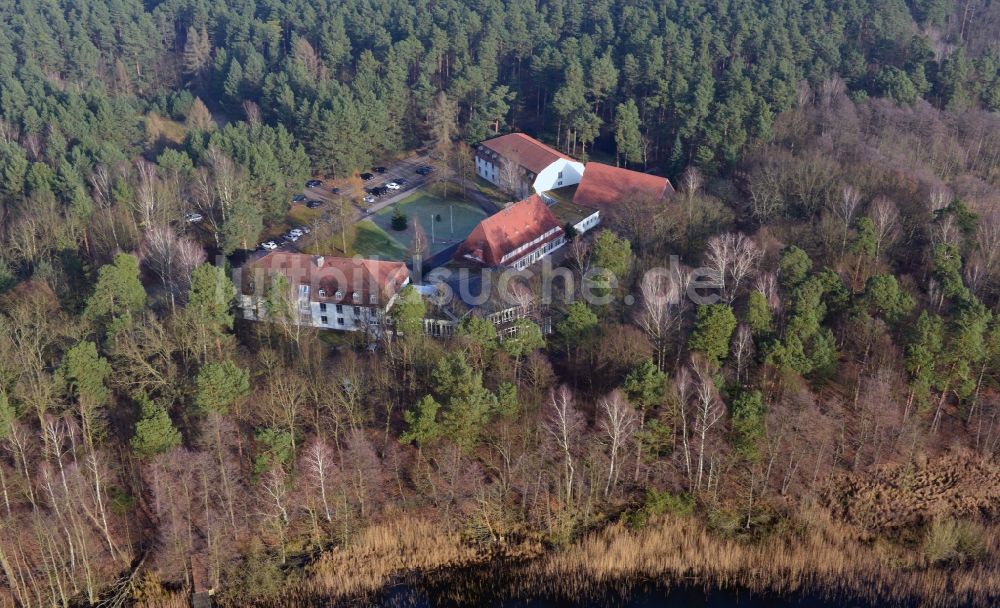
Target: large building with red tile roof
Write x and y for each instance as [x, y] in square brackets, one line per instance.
[326, 292]
[515, 237]
[603, 186]
[522, 165]
[528, 230]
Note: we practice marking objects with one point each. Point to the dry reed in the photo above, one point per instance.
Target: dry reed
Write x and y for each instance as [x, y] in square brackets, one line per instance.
[823, 558]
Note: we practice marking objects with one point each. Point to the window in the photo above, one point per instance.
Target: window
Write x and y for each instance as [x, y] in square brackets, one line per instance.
[559, 177]
[340, 309]
[324, 321]
[356, 296]
[340, 320]
[339, 294]
[322, 305]
[322, 293]
[373, 298]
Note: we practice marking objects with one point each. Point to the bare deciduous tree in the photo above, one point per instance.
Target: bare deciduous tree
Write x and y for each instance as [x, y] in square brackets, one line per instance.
[708, 412]
[767, 284]
[845, 209]
[618, 421]
[171, 258]
[661, 310]
[885, 218]
[732, 257]
[742, 348]
[509, 176]
[145, 192]
[564, 423]
[252, 112]
[683, 385]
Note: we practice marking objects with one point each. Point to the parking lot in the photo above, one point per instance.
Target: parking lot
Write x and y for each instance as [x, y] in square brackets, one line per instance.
[405, 168]
[323, 192]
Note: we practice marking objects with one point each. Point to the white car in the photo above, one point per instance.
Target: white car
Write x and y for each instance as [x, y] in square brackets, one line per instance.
[296, 232]
[304, 229]
[393, 186]
[269, 245]
[292, 237]
[193, 218]
[369, 199]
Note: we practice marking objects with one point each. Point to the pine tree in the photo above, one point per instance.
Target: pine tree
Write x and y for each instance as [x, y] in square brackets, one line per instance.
[119, 293]
[219, 385]
[628, 137]
[154, 431]
[86, 374]
[713, 328]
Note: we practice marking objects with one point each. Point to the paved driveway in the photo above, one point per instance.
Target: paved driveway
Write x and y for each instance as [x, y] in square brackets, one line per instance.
[405, 168]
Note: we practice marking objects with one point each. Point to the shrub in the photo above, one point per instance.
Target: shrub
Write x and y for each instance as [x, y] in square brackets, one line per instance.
[399, 221]
[949, 541]
[660, 503]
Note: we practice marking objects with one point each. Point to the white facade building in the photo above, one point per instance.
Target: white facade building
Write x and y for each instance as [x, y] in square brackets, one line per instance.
[326, 292]
[523, 166]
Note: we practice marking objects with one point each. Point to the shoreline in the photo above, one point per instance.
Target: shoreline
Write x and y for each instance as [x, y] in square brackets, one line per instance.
[668, 553]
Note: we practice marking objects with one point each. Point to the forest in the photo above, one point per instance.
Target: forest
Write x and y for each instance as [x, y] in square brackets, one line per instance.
[837, 167]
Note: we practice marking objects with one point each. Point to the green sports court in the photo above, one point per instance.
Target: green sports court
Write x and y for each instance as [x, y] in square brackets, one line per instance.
[445, 221]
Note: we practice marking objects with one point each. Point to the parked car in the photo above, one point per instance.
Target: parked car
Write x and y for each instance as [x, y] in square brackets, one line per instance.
[402, 181]
[304, 229]
[335, 190]
[378, 169]
[369, 199]
[269, 245]
[367, 177]
[193, 218]
[292, 237]
[314, 183]
[298, 198]
[296, 232]
[424, 170]
[392, 186]
[315, 204]
[380, 191]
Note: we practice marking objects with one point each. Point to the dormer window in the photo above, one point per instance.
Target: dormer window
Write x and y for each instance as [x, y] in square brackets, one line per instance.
[356, 296]
[373, 299]
[338, 295]
[322, 293]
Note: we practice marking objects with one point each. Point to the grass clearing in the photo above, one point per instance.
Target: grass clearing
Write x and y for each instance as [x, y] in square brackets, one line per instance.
[300, 215]
[371, 241]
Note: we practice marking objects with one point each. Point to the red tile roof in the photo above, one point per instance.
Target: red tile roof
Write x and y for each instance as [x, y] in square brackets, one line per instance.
[518, 225]
[332, 275]
[526, 151]
[603, 185]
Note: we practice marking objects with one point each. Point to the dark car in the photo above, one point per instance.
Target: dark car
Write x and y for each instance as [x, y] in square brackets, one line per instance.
[313, 183]
[402, 181]
[298, 198]
[335, 190]
[381, 191]
[424, 170]
[315, 204]
[367, 177]
[378, 169]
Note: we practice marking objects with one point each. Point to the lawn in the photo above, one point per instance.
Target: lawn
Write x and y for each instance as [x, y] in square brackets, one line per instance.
[446, 222]
[371, 241]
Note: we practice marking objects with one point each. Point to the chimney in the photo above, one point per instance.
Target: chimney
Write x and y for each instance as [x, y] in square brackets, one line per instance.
[319, 261]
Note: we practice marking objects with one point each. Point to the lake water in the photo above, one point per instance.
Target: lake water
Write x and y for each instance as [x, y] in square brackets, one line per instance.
[486, 593]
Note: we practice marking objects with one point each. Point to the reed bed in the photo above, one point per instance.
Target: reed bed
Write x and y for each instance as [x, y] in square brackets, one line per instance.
[822, 558]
